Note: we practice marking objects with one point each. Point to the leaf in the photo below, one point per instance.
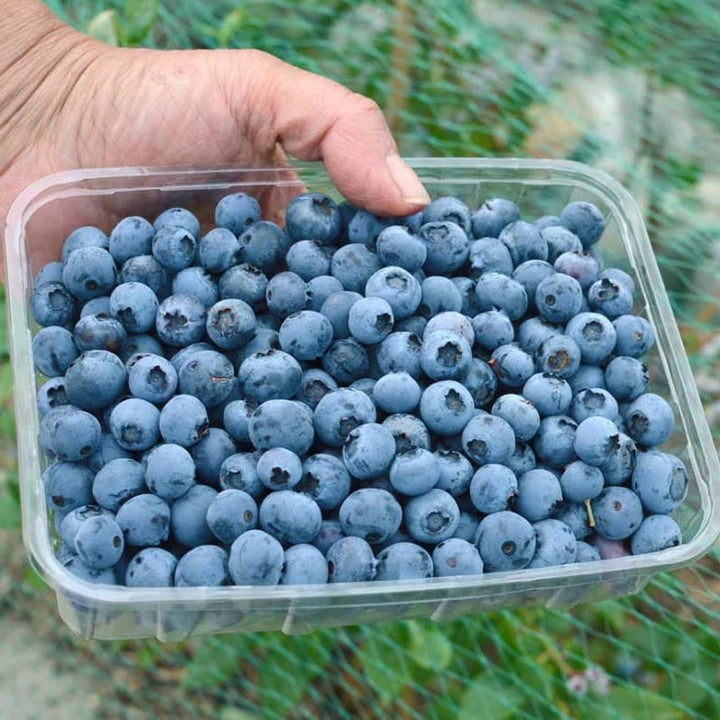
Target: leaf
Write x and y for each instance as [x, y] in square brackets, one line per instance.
[140, 18]
[488, 698]
[385, 662]
[9, 513]
[429, 646]
[105, 26]
[640, 703]
[231, 25]
[232, 713]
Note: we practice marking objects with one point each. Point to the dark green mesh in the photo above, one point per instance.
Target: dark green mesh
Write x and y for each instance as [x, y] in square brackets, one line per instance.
[632, 87]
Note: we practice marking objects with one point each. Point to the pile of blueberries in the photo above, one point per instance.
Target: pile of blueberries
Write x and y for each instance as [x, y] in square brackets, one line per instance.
[348, 398]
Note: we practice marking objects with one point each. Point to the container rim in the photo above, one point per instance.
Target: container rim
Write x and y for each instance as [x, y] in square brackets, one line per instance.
[634, 234]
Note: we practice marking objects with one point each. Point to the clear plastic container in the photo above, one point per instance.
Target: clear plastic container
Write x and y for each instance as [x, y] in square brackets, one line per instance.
[53, 206]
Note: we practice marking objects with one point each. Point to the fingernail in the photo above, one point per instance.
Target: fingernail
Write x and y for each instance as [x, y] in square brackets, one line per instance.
[407, 181]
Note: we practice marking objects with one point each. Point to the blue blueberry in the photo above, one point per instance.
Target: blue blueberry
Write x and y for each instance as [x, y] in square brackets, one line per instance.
[306, 335]
[524, 242]
[134, 424]
[67, 486]
[218, 250]
[239, 472]
[581, 265]
[346, 361]
[522, 459]
[188, 516]
[445, 356]
[236, 212]
[559, 240]
[84, 237]
[308, 259]
[51, 394]
[595, 336]
[587, 377]
[208, 375]
[337, 310]
[414, 472]
[341, 411]
[265, 339]
[481, 382]
[313, 216]
[554, 442]
[183, 420]
[559, 355]
[447, 247]
[660, 481]
[584, 220]
[283, 423]
[178, 217]
[585, 552]
[520, 414]
[506, 541]
[99, 542]
[325, 479]
[264, 245]
[180, 320]
[256, 558]
[279, 469]
[330, 532]
[117, 481]
[512, 365]
[144, 520]
[397, 393]
[146, 270]
[489, 255]
[319, 289]
[368, 451]
[448, 209]
[431, 517]
[270, 375]
[350, 559]
[439, 294]
[353, 265]
[538, 495]
[398, 287]
[555, 544]
[609, 297]
[534, 331]
[591, 402]
[372, 514]
[500, 292]
[209, 454]
[244, 282]
[54, 350]
[400, 352]
[286, 294]
[451, 321]
[105, 452]
[446, 407]
[635, 335]
[492, 216]
[174, 247]
[558, 298]
[52, 272]
[397, 246]
[315, 384]
[649, 420]
[493, 488]
[404, 561]
[619, 276]
[626, 378]
[365, 227]
[619, 466]
[370, 320]
[409, 432]
[153, 378]
[197, 281]
[70, 434]
[140, 344]
[530, 274]
[99, 332]
[289, 516]
[78, 568]
[203, 566]
[230, 323]
[456, 556]
[89, 272]
[53, 304]
[488, 439]
[96, 306]
[151, 567]
[304, 565]
[617, 512]
[549, 394]
[470, 304]
[656, 533]
[169, 471]
[455, 472]
[581, 482]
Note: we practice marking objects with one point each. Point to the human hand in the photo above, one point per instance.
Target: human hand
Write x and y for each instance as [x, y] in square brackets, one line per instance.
[99, 106]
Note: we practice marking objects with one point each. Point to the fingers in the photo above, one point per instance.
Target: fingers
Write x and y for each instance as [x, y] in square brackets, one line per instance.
[317, 119]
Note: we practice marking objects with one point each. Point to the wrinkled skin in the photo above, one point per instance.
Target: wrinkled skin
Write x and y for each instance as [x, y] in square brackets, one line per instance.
[68, 101]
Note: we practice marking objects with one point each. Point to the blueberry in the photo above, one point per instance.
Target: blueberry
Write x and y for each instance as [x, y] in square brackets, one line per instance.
[306, 335]
[520, 414]
[610, 298]
[455, 472]
[350, 559]
[635, 335]
[67, 485]
[445, 356]
[244, 282]
[595, 336]
[576, 517]
[554, 442]
[54, 350]
[512, 365]
[146, 270]
[559, 240]
[489, 255]
[530, 274]
[89, 272]
[53, 304]
[105, 452]
[500, 292]
[398, 288]
[451, 321]
[325, 479]
[370, 320]
[279, 469]
[353, 265]
[174, 247]
[506, 541]
[144, 520]
[135, 305]
[660, 481]
[581, 482]
[619, 276]
[439, 294]
[231, 513]
[84, 237]
[264, 245]
[524, 242]
[117, 481]
[96, 306]
[341, 411]
[400, 352]
[649, 420]
[178, 217]
[236, 212]
[368, 451]
[208, 376]
[549, 394]
[591, 402]
[330, 532]
[99, 332]
[481, 382]
[466, 286]
[618, 513]
[626, 378]
[304, 565]
[52, 272]
[409, 432]
[265, 339]
[365, 227]
[534, 331]
[370, 513]
[414, 472]
[188, 515]
[218, 250]
[446, 407]
[555, 544]
[456, 556]
[522, 459]
[320, 288]
[558, 298]
[346, 361]
[256, 558]
[396, 393]
[289, 516]
[336, 309]
[432, 517]
[492, 216]
[180, 320]
[134, 424]
[493, 488]
[203, 566]
[183, 420]
[283, 423]
[239, 472]
[656, 532]
[488, 439]
[619, 466]
[448, 209]
[140, 344]
[587, 377]
[270, 375]
[308, 259]
[51, 394]
[447, 246]
[404, 561]
[209, 454]
[315, 384]
[153, 378]
[585, 552]
[538, 495]
[70, 434]
[584, 220]
[151, 567]
[169, 471]
[314, 216]
[397, 246]
[196, 281]
[99, 542]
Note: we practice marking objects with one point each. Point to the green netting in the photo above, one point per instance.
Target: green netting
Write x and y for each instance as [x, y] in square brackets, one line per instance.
[630, 86]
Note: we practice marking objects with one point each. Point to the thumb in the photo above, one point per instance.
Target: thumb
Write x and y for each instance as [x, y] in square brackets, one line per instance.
[314, 118]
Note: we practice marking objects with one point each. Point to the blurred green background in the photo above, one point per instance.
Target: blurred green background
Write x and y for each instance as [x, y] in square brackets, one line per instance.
[630, 86]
